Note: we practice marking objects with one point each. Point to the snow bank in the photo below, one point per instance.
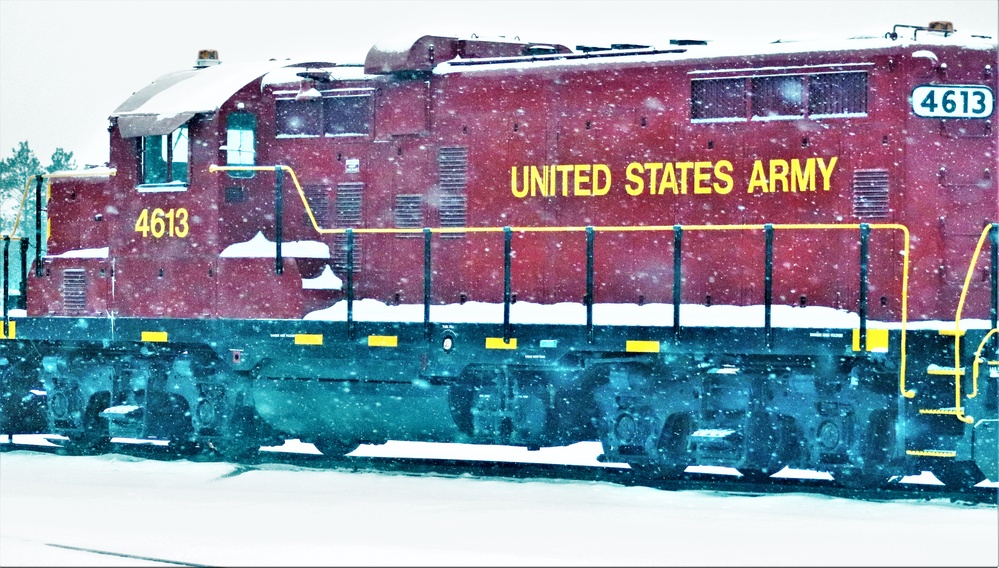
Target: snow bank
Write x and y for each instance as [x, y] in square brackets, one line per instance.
[58, 509]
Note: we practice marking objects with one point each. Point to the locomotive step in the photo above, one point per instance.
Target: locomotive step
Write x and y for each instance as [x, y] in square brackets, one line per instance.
[952, 332]
[947, 411]
[939, 370]
[932, 453]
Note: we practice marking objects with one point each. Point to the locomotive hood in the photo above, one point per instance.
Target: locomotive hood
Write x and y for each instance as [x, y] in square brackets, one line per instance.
[171, 100]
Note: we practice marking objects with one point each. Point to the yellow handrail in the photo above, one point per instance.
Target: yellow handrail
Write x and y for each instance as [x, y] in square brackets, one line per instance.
[791, 226]
[958, 411]
[978, 359]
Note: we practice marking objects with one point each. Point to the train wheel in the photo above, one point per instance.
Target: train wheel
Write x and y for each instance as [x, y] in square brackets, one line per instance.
[240, 440]
[671, 456]
[333, 448]
[94, 436]
[774, 443]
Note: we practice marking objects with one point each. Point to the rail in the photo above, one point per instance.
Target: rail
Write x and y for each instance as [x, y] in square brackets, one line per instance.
[590, 231]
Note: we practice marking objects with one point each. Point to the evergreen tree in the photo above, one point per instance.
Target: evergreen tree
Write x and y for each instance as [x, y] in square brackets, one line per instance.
[15, 173]
[61, 161]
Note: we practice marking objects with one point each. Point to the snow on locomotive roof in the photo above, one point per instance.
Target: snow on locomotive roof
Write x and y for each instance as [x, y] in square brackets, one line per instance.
[715, 50]
[290, 75]
[173, 99]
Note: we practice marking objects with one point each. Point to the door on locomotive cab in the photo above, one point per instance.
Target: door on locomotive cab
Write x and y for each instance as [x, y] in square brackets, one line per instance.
[400, 174]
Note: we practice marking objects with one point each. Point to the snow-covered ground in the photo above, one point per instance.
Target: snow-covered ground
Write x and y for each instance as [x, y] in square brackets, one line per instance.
[117, 510]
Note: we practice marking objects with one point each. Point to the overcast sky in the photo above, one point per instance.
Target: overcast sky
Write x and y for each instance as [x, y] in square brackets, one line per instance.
[66, 65]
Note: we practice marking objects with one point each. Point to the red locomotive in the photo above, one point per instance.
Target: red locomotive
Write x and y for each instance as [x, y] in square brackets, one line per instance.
[766, 257]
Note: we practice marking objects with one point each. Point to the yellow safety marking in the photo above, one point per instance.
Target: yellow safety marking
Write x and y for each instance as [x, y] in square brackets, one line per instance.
[932, 453]
[642, 346]
[11, 334]
[498, 343]
[948, 411]
[952, 332]
[877, 340]
[154, 336]
[948, 372]
[978, 359]
[308, 339]
[383, 341]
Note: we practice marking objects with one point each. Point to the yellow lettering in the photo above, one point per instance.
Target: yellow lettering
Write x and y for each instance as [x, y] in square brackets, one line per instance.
[778, 172]
[539, 181]
[720, 168]
[564, 170]
[518, 193]
[581, 176]
[630, 173]
[653, 169]
[684, 167]
[598, 187]
[758, 180]
[827, 171]
[803, 179]
[701, 176]
[669, 180]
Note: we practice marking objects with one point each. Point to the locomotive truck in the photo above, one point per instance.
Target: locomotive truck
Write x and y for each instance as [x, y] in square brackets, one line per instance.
[769, 256]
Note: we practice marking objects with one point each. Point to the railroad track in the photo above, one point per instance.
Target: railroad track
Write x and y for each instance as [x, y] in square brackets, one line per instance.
[521, 471]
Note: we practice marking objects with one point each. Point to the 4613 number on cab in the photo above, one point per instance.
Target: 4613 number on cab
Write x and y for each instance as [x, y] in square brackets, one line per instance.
[159, 223]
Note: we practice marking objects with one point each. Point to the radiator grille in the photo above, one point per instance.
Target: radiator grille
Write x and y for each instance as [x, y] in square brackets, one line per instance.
[315, 195]
[408, 213]
[74, 291]
[870, 194]
[348, 215]
[452, 165]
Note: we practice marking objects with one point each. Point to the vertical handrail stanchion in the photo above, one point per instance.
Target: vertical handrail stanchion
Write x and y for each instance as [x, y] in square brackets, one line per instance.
[350, 284]
[427, 274]
[768, 284]
[23, 301]
[278, 223]
[994, 280]
[677, 279]
[588, 300]
[507, 252]
[865, 235]
[6, 283]
[38, 225]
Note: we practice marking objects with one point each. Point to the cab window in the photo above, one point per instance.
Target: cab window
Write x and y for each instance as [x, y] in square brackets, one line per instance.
[165, 158]
[240, 145]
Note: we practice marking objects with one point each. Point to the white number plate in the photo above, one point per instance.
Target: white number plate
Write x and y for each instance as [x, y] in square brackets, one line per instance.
[953, 101]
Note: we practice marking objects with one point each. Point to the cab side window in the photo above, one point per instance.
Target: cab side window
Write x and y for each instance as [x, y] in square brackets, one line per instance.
[241, 139]
[165, 158]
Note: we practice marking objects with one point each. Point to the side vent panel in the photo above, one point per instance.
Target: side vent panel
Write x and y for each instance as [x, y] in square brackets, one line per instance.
[348, 215]
[452, 165]
[316, 195]
[408, 213]
[870, 194]
[74, 291]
